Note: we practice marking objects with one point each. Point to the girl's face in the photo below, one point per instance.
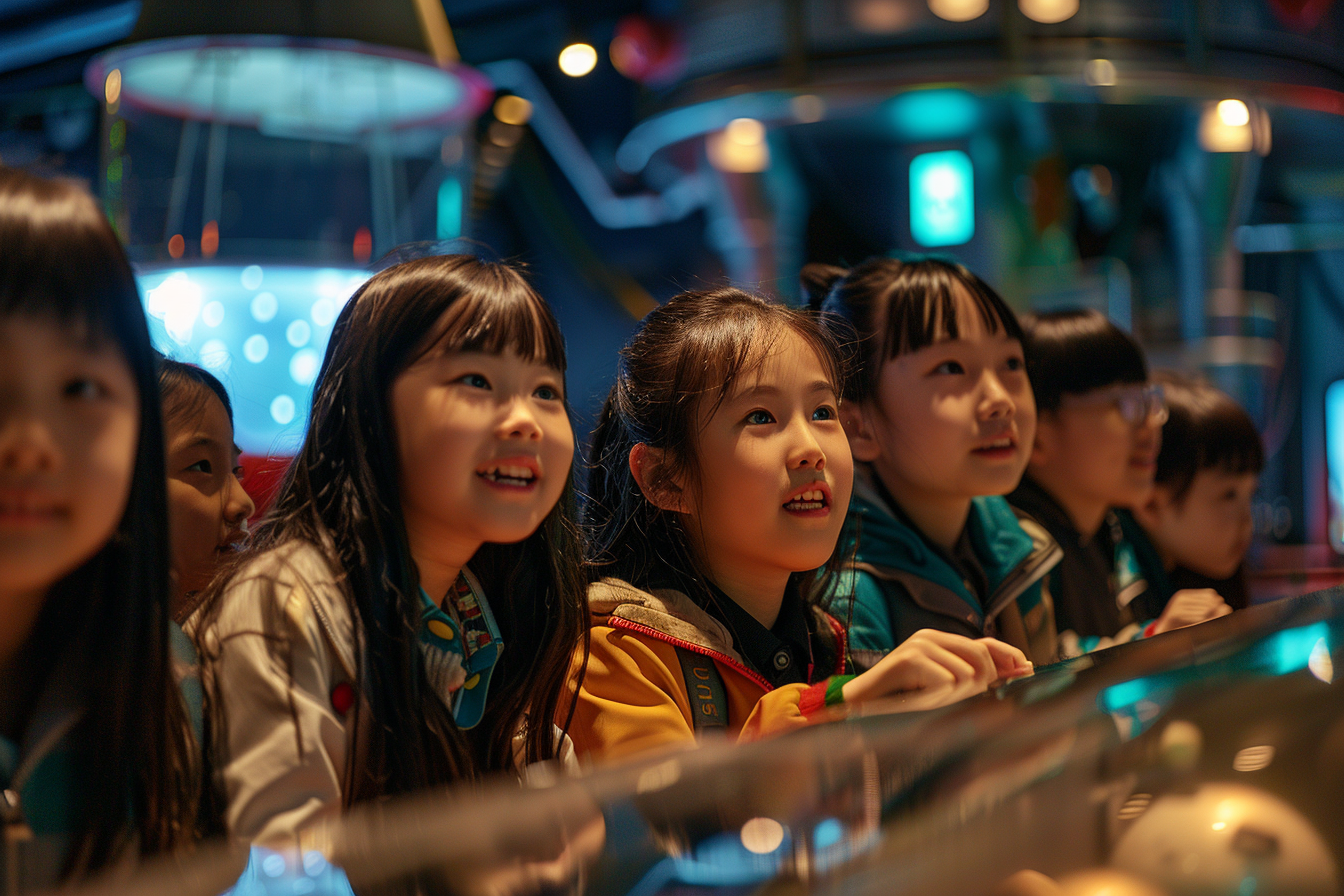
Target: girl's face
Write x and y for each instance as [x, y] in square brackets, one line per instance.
[1208, 529]
[69, 418]
[951, 421]
[775, 470]
[485, 446]
[206, 503]
[1089, 449]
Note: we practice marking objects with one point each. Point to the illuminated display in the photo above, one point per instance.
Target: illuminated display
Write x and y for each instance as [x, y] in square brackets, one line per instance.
[1334, 461]
[262, 331]
[942, 198]
[934, 114]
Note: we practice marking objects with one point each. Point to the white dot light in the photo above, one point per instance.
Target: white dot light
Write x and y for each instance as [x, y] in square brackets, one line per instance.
[303, 366]
[298, 333]
[273, 865]
[264, 306]
[251, 276]
[1234, 113]
[255, 348]
[323, 312]
[177, 302]
[282, 410]
[577, 60]
[215, 355]
[762, 835]
[212, 315]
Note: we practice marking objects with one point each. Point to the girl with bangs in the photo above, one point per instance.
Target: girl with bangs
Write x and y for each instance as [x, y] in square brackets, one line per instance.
[406, 613]
[97, 760]
[719, 483]
[940, 417]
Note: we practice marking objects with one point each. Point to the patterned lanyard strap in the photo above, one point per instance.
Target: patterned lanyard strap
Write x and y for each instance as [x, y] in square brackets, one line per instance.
[461, 648]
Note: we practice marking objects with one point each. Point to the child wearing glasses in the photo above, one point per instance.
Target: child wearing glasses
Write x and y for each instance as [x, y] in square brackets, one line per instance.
[1199, 513]
[1098, 434]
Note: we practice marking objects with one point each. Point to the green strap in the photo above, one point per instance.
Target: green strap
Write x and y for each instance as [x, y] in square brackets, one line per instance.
[704, 687]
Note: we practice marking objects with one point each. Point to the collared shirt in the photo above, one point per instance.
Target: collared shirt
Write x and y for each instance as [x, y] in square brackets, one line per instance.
[782, 654]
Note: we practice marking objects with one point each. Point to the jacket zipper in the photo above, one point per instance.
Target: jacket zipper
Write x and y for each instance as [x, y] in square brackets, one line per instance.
[755, 677]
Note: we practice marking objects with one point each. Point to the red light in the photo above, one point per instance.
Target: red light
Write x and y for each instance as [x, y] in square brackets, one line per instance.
[210, 239]
[177, 246]
[363, 245]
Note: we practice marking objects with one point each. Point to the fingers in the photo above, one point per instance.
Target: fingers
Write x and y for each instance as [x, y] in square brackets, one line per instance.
[1008, 660]
[957, 653]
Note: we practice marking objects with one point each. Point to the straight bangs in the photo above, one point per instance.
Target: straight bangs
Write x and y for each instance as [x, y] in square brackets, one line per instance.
[1206, 429]
[923, 308]
[1071, 352]
[502, 316]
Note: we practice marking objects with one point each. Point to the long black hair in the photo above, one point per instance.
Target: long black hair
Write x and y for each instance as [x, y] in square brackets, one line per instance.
[887, 307]
[135, 774]
[342, 495]
[685, 360]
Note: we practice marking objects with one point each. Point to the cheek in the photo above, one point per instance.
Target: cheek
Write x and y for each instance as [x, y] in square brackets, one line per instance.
[194, 518]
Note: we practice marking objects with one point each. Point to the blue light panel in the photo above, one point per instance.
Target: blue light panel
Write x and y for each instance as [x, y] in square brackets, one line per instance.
[262, 330]
[934, 114]
[942, 198]
[1334, 461]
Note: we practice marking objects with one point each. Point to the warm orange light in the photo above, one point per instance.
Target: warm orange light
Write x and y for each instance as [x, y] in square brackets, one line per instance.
[577, 60]
[176, 245]
[210, 239]
[363, 245]
[1048, 12]
[958, 10]
[1234, 113]
[512, 109]
[112, 87]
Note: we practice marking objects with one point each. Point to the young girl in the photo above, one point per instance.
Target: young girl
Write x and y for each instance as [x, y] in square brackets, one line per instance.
[940, 416]
[96, 757]
[207, 506]
[720, 479]
[407, 612]
[1198, 515]
[1094, 456]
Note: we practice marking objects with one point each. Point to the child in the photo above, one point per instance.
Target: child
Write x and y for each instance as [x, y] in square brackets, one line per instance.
[207, 507]
[940, 415]
[1094, 456]
[97, 762]
[407, 611]
[719, 480]
[1199, 513]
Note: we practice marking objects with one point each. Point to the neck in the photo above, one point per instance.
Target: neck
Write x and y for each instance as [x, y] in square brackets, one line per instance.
[758, 591]
[1086, 514]
[18, 683]
[941, 518]
[439, 558]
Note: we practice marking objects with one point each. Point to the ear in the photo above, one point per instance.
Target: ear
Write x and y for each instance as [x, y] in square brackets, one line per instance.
[647, 466]
[1043, 444]
[857, 419]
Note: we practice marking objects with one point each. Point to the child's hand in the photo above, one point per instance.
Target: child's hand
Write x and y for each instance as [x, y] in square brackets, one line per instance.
[943, 666]
[1189, 607]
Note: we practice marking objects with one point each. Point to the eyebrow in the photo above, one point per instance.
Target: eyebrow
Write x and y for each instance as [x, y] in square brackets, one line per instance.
[201, 441]
[770, 391]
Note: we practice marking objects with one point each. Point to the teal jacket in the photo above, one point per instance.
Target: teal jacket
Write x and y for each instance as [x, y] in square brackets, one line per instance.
[895, 585]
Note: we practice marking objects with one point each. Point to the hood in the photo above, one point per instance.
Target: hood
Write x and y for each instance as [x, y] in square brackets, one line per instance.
[664, 610]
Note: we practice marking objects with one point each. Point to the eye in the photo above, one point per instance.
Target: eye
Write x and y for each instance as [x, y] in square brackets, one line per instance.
[239, 472]
[84, 388]
[201, 466]
[1015, 363]
[475, 380]
[825, 412]
[759, 418]
[949, 367]
[547, 393]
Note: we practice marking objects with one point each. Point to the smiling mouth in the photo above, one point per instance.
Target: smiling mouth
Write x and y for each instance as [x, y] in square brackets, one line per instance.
[513, 475]
[998, 446]
[25, 510]
[812, 499]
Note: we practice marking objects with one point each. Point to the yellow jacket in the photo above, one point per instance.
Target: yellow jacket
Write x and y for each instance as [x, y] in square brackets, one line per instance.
[634, 699]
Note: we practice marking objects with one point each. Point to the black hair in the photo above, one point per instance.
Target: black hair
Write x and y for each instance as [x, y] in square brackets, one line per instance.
[1073, 351]
[342, 494]
[184, 389]
[887, 307]
[134, 775]
[684, 361]
[1205, 430]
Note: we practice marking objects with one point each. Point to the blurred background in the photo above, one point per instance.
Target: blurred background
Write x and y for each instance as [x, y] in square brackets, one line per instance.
[1178, 165]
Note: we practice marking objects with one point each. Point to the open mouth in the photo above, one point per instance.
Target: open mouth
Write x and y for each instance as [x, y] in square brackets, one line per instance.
[511, 475]
[20, 508]
[1000, 447]
[809, 500]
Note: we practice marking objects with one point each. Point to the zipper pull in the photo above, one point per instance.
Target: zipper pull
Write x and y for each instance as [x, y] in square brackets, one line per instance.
[17, 834]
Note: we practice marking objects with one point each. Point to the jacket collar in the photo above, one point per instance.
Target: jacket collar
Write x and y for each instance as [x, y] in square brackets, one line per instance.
[664, 610]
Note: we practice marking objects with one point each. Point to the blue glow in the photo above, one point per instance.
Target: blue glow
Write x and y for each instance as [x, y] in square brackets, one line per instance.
[934, 114]
[827, 833]
[450, 209]
[266, 347]
[1334, 461]
[942, 198]
[270, 872]
[722, 860]
[1291, 649]
[1124, 695]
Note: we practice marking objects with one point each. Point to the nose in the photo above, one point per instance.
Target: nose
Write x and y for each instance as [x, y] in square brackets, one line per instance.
[238, 506]
[996, 402]
[27, 444]
[519, 421]
[806, 452]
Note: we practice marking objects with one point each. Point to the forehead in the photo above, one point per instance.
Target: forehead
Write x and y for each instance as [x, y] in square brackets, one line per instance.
[205, 416]
[45, 334]
[789, 359]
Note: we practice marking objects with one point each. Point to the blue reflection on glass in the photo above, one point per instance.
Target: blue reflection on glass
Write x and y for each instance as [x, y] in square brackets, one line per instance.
[827, 833]
[270, 873]
[243, 324]
[1291, 649]
[722, 860]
